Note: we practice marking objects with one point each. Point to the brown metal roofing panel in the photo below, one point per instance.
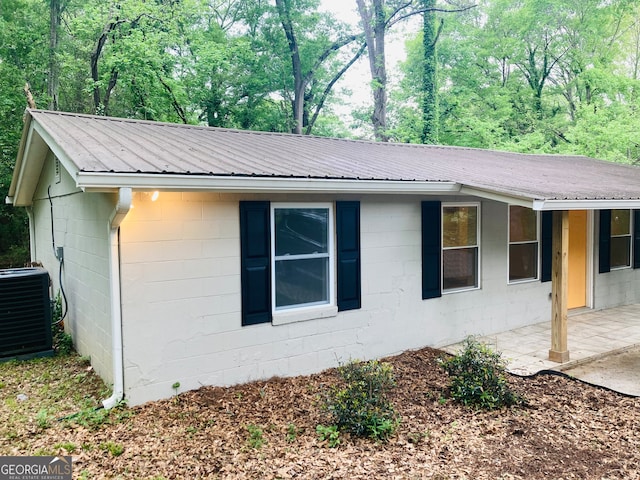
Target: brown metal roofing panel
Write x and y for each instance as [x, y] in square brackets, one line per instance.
[103, 144]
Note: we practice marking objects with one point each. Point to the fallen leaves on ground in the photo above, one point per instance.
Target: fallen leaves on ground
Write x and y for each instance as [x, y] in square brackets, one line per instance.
[267, 430]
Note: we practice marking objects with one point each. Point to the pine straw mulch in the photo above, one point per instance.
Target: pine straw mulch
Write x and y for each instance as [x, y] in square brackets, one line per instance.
[567, 430]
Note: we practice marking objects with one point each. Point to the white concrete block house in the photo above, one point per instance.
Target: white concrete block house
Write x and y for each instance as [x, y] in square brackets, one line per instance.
[270, 254]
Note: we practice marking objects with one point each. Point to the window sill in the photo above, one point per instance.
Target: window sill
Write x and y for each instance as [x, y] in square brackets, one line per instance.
[523, 280]
[302, 315]
[621, 267]
[459, 290]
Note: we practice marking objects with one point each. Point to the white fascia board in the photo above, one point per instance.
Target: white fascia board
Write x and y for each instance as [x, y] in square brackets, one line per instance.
[28, 168]
[498, 196]
[57, 150]
[19, 168]
[550, 205]
[92, 181]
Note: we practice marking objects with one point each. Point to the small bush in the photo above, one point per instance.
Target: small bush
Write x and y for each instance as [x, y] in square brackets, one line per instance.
[360, 405]
[256, 439]
[477, 377]
[331, 435]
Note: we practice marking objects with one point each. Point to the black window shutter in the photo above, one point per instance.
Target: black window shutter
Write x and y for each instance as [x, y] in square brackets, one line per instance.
[431, 249]
[604, 261]
[636, 238]
[348, 255]
[255, 262]
[547, 246]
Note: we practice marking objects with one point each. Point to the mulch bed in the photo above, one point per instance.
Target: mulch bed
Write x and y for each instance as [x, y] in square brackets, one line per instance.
[567, 430]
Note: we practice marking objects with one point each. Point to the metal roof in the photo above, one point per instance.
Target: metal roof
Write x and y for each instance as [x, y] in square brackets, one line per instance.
[106, 152]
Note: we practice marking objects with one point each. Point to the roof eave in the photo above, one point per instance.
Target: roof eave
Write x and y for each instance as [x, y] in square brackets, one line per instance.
[29, 162]
[93, 181]
[586, 204]
[503, 197]
[35, 145]
[17, 169]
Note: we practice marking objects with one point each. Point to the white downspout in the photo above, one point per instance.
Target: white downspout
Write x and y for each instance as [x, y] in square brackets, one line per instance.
[120, 212]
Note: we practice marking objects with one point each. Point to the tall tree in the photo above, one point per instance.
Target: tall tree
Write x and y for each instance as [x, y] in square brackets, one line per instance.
[23, 58]
[374, 23]
[53, 83]
[430, 34]
[306, 69]
[377, 18]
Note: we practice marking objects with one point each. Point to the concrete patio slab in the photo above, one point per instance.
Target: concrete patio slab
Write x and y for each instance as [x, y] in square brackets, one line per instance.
[619, 371]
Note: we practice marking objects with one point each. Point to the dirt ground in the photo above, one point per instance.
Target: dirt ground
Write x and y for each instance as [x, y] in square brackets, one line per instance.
[267, 430]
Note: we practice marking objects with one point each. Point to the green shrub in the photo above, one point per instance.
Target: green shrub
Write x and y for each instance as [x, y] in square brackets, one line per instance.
[331, 435]
[256, 439]
[477, 377]
[115, 449]
[360, 404]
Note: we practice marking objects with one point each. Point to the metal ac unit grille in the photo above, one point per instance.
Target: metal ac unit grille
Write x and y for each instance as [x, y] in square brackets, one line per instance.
[25, 312]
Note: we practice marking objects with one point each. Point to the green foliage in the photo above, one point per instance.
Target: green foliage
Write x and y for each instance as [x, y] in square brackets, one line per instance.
[115, 449]
[477, 377]
[42, 419]
[329, 434]
[292, 433]
[68, 446]
[62, 341]
[538, 76]
[256, 438]
[360, 405]
[91, 418]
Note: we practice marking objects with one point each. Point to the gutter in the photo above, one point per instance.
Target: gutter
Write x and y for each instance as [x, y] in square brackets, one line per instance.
[594, 204]
[101, 182]
[120, 212]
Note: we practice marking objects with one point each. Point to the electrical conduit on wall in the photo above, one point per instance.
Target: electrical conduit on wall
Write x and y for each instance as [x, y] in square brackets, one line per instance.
[120, 212]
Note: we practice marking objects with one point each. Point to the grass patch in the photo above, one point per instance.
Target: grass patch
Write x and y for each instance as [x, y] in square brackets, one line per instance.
[37, 393]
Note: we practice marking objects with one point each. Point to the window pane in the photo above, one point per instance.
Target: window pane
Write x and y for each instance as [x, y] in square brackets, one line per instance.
[301, 230]
[300, 282]
[460, 268]
[620, 222]
[523, 261]
[459, 226]
[620, 251]
[523, 225]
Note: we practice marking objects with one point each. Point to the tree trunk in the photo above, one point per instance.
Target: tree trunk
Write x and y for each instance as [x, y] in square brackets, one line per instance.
[374, 25]
[53, 82]
[299, 82]
[429, 85]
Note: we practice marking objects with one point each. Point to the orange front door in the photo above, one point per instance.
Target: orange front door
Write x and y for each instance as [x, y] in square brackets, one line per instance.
[577, 281]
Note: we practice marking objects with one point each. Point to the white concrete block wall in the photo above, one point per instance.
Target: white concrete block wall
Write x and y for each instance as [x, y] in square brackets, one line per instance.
[181, 289]
[181, 295]
[80, 226]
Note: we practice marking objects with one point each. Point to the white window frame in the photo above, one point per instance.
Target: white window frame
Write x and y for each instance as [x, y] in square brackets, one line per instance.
[477, 246]
[629, 235]
[509, 243]
[293, 313]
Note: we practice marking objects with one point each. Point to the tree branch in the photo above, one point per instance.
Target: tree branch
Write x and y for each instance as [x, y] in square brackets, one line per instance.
[330, 85]
[393, 21]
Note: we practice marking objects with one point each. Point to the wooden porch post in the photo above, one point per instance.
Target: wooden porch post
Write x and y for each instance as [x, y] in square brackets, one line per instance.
[559, 290]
